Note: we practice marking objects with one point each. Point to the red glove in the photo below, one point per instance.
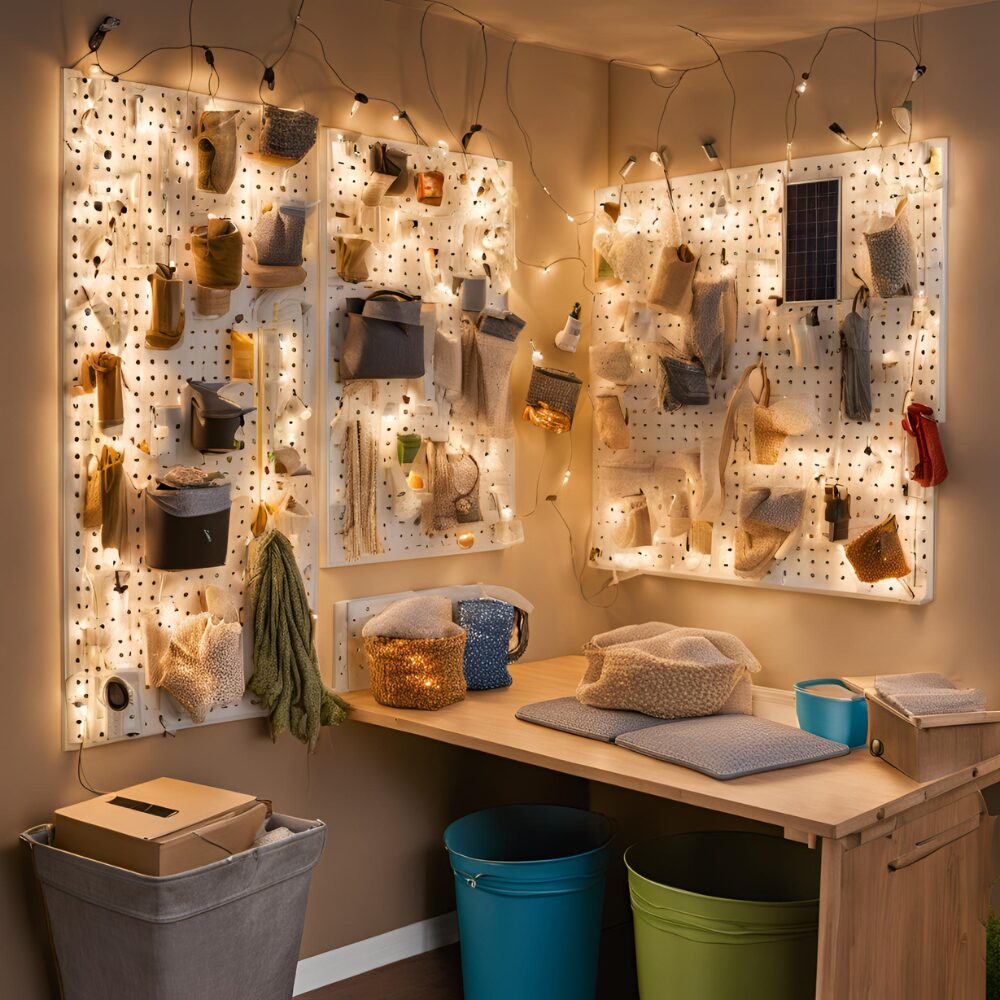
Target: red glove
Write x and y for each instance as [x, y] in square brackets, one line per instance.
[931, 468]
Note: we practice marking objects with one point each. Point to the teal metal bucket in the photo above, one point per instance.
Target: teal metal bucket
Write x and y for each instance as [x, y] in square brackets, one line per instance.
[529, 888]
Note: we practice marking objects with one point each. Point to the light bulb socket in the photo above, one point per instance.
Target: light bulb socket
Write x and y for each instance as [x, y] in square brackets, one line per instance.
[709, 148]
[467, 138]
[919, 71]
[361, 98]
[268, 77]
[626, 167]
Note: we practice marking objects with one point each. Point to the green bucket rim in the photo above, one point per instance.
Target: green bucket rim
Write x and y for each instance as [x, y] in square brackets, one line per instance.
[770, 904]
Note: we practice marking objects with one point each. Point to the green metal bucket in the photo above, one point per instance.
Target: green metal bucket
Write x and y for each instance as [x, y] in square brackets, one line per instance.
[724, 916]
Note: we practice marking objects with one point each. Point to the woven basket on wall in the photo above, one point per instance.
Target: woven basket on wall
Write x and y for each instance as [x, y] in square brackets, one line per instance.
[416, 673]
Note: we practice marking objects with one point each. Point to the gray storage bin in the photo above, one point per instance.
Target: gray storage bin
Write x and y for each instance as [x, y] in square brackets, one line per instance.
[228, 931]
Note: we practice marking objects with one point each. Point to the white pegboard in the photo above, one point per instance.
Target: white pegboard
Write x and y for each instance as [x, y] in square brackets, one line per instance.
[350, 669]
[419, 249]
[129, 161]
[745, 241]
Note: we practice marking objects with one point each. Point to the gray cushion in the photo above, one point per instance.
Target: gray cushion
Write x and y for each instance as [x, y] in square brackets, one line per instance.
[730, 746]
[570, 716]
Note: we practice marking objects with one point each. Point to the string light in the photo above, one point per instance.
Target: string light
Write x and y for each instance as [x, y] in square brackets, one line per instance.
[359, 100]
[626, 167]
[803, 84]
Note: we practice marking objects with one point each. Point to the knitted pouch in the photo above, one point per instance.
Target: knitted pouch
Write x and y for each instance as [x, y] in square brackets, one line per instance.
[634, 531]
[166, 309]
[202, 667]
[473, 297]
[351, 266]
[241, 361]
[682, 383]
[877, 554]
[627, 252]
[463, 476]
[430, 187]
[217, 150]
[552, 399]
[772, 423]
[490, 626]
[713, 324]
[612, 362]
[670, 290]
[678, 673]
[611, 422]
[285, 136]
[416, 673]
[278, 236]
[384, 338]
[891, 255]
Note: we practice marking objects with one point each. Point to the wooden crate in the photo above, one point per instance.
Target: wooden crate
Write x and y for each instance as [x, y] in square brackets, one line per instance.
[927, 746]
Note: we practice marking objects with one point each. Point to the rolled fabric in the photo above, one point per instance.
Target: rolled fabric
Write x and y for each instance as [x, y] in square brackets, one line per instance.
[611, 422]
[218, 251]
[351, 252]
[102, 370]
[671, 288]
[166, 312]
[855, 367]
[217, 150]
[713, 324]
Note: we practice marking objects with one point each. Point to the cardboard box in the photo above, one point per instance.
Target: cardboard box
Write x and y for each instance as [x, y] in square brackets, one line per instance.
[161, 827]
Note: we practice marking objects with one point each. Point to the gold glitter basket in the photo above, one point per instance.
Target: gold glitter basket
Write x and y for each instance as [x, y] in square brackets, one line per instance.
[416, 673]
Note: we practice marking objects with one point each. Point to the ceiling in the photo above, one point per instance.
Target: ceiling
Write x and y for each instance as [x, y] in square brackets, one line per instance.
[646, 32]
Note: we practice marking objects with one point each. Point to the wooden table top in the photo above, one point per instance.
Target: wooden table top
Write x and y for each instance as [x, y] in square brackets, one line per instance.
[832, 798]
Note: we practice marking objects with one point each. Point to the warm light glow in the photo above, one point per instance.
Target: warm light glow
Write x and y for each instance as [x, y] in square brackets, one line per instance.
[569, 217]
[566, 476]
[506, 514]
[465, 539]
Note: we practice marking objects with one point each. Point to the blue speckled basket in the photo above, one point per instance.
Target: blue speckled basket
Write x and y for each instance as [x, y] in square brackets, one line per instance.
[489, 625]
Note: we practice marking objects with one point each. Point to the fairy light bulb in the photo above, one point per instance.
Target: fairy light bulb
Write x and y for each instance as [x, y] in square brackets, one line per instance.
[803, 85]
[359, 100]
[536, 355]
[442, 144]
[506, 514]
[569, 217]
[565, 479]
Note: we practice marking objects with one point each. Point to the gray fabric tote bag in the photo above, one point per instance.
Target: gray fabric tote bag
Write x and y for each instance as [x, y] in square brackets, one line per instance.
[384, 338]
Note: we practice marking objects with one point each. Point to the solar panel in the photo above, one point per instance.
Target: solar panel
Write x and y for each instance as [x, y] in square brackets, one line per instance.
[812, 240]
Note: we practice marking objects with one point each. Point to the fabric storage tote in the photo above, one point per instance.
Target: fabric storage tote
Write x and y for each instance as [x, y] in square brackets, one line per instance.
[491, 626]
[186, 527]
[229, 929]
[384, 339]
[416, 673]
[214, 419]
[552, 399]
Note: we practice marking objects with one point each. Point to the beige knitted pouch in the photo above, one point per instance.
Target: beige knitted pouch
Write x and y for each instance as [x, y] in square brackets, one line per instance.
[767, 520]
[670, 290]
[677, 673]
[612, 362]
[772, 423]
[634, 530]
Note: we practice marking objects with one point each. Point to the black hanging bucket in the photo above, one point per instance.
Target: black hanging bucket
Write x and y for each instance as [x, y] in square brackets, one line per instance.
[214, 419]
[186, 527]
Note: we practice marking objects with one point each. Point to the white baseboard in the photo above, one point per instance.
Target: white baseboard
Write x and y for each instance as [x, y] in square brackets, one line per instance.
[372, 953]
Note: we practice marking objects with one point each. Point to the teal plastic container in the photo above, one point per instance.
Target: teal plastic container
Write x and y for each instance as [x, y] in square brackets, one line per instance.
[529, 888]
[843, 720]
[724, 916]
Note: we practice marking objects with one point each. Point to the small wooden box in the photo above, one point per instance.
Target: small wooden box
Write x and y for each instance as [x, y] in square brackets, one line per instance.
[927, 746]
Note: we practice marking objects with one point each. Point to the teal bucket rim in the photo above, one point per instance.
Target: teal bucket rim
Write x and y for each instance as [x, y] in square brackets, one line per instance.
[770, 904]
[603, 846]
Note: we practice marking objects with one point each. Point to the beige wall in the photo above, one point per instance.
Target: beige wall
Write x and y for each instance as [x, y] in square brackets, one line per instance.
[386, 798]
[803, 635]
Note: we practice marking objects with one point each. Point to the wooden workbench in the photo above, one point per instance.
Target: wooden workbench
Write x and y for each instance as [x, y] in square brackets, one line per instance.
[906, 866]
